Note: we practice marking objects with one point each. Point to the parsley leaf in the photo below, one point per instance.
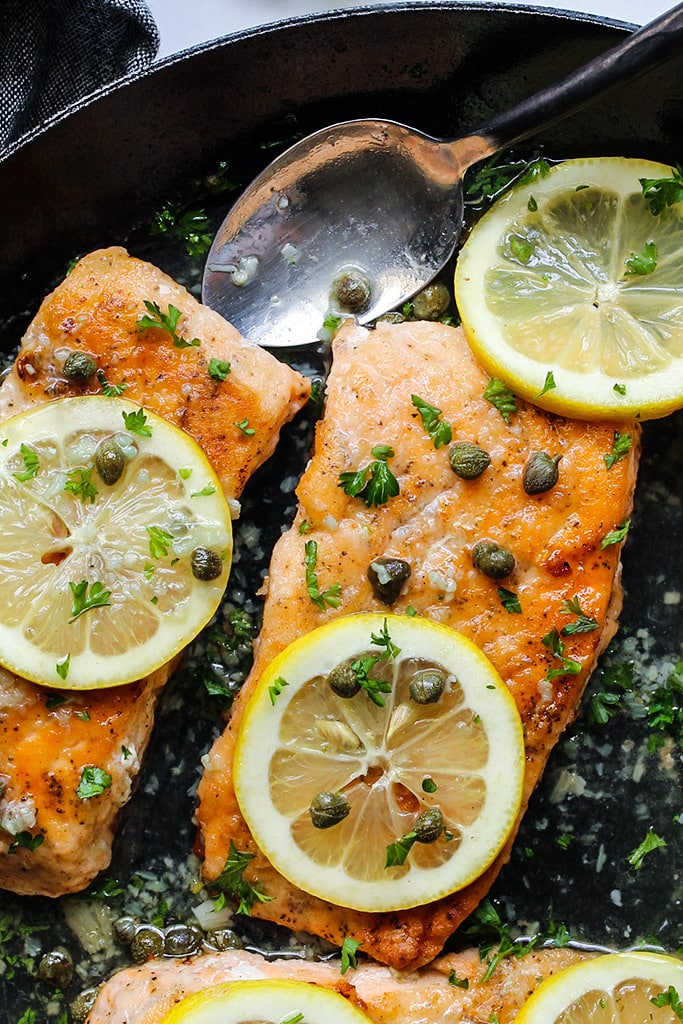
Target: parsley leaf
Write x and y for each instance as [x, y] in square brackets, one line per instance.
[397, 852]
[555, 645]
[79, 483]
[164, 322]
[510, 601]
[328, 598]
[231, 882]
[642, 263]
[501, 398]
[349, 949]
[651, 842]
[621, 446]
[192, 226]
[375, 483]
[663, 192]
[218, 369]
[136, 422]
[276, 689]
[243, 425]
[373, 687]
[26, 841]
[669, 998]
[31, 464]
[94, 781]
[548, 385]
[62, 667]
[384, 640]
[110, 390]
[616, 681]
[439, 430]
[84, 602]
[582, 624]
[159, 541]
[665, 710]
[616, 536]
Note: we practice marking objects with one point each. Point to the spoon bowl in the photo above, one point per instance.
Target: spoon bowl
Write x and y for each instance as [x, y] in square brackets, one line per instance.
[379, 199]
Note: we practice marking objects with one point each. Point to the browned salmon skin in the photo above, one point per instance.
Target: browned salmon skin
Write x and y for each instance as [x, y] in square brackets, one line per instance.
[46, 739]
[558, 539]
[451, 990]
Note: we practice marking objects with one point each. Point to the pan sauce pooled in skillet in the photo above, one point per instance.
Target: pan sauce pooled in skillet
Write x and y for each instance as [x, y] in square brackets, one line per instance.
[565, 563]
[87, 338]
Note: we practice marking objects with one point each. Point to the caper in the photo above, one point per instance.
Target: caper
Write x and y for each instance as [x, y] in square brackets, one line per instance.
[391, 318]
[124, 929]
[57, 967]
[79, 366]
[343, 680]
[540, 473]
[468, 460]
[387, 575]
[206, 564]
[429, 825]
[109, 461]
[148, 942]
[431, 303]
[82, 1005]
[493, 560]
[427, 686]
[223, 938]
[352, 290]
[182, 940]
[328, 809]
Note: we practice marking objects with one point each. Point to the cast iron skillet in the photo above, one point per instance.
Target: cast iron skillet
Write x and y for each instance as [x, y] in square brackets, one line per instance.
[96, 176]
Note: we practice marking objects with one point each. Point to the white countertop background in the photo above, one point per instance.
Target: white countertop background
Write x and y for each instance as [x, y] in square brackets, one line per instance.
[186, 23]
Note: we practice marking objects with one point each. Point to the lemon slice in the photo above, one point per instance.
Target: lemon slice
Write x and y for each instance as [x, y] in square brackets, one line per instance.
[620, 988]
[570, 291]
[266, 1002]
[392, 794]
[115, 542]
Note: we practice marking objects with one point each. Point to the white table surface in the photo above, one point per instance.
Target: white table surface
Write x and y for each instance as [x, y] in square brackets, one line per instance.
[186, 23]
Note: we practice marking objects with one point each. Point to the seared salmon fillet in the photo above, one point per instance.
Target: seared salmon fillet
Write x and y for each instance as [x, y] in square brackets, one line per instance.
[47, 738]
[143, 995]
[98, 308]
[564, 559]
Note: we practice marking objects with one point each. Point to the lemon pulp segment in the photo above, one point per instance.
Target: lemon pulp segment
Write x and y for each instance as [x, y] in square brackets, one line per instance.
[462, 754]
[572, 275]
[619, 988]
[98, 579]
[267, 1001]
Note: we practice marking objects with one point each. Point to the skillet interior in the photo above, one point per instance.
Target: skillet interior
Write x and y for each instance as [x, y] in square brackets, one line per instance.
[96, 177]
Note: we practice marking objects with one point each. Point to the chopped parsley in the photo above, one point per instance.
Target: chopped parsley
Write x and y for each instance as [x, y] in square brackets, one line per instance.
[501, 398]
[191, 226]
[661, 193]
[321, 599]
[26, 841]
[84, 601]
[616, 536]
[349, 949]
[205, 492]
[218, 369]
[159, 541]
[244, 427]
[621, 446]
[164, 322]
[665, 710]
[397, 852]
[276, 689]
[548, 385]
[669, 998]
[582, 623]
[437, 428]
[642, 263]
[62, 667]
[616, 681]
[231, 883]
[650, 843]
[362, 666]
[510, 601]
[79, 483]
[31, 464]
[374, 483]
[457, 982]
[110, 390]
[136, 422]
[94, 781]
[553, 642]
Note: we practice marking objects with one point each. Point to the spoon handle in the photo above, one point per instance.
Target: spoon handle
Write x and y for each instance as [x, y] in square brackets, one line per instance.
[639, 51]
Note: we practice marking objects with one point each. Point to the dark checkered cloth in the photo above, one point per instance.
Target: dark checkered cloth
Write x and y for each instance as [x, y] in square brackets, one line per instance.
[53, 52]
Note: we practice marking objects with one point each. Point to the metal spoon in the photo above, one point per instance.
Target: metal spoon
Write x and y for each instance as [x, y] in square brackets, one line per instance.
[378, 196]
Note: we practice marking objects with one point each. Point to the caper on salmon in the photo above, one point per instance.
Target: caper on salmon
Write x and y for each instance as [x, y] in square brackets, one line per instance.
[328, 809]
[429, 825]
[109, 461]
[427, 686]
[468, 460]
[492, 560]
[387, 576]
[541, 472]
[79, 366]
[206, 564]
[343, 680]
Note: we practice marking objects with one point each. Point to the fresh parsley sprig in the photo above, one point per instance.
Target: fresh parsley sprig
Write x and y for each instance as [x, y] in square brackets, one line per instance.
[84, 601]
[582, 623]
[553, 642]
[663, 192]
[231, 883]
[168, 322]
[330, 598]
[374, 483]
[437, 428]
[621, 446]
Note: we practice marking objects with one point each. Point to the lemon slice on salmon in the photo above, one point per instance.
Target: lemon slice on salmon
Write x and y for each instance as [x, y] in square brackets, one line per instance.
[620, 988]
[569, 289]
[267, 1001]
[115, 542]
[379, 763]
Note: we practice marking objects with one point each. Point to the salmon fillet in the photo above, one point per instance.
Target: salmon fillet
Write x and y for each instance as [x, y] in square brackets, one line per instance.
[142, 995]
[433, 523]
[46, 739]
